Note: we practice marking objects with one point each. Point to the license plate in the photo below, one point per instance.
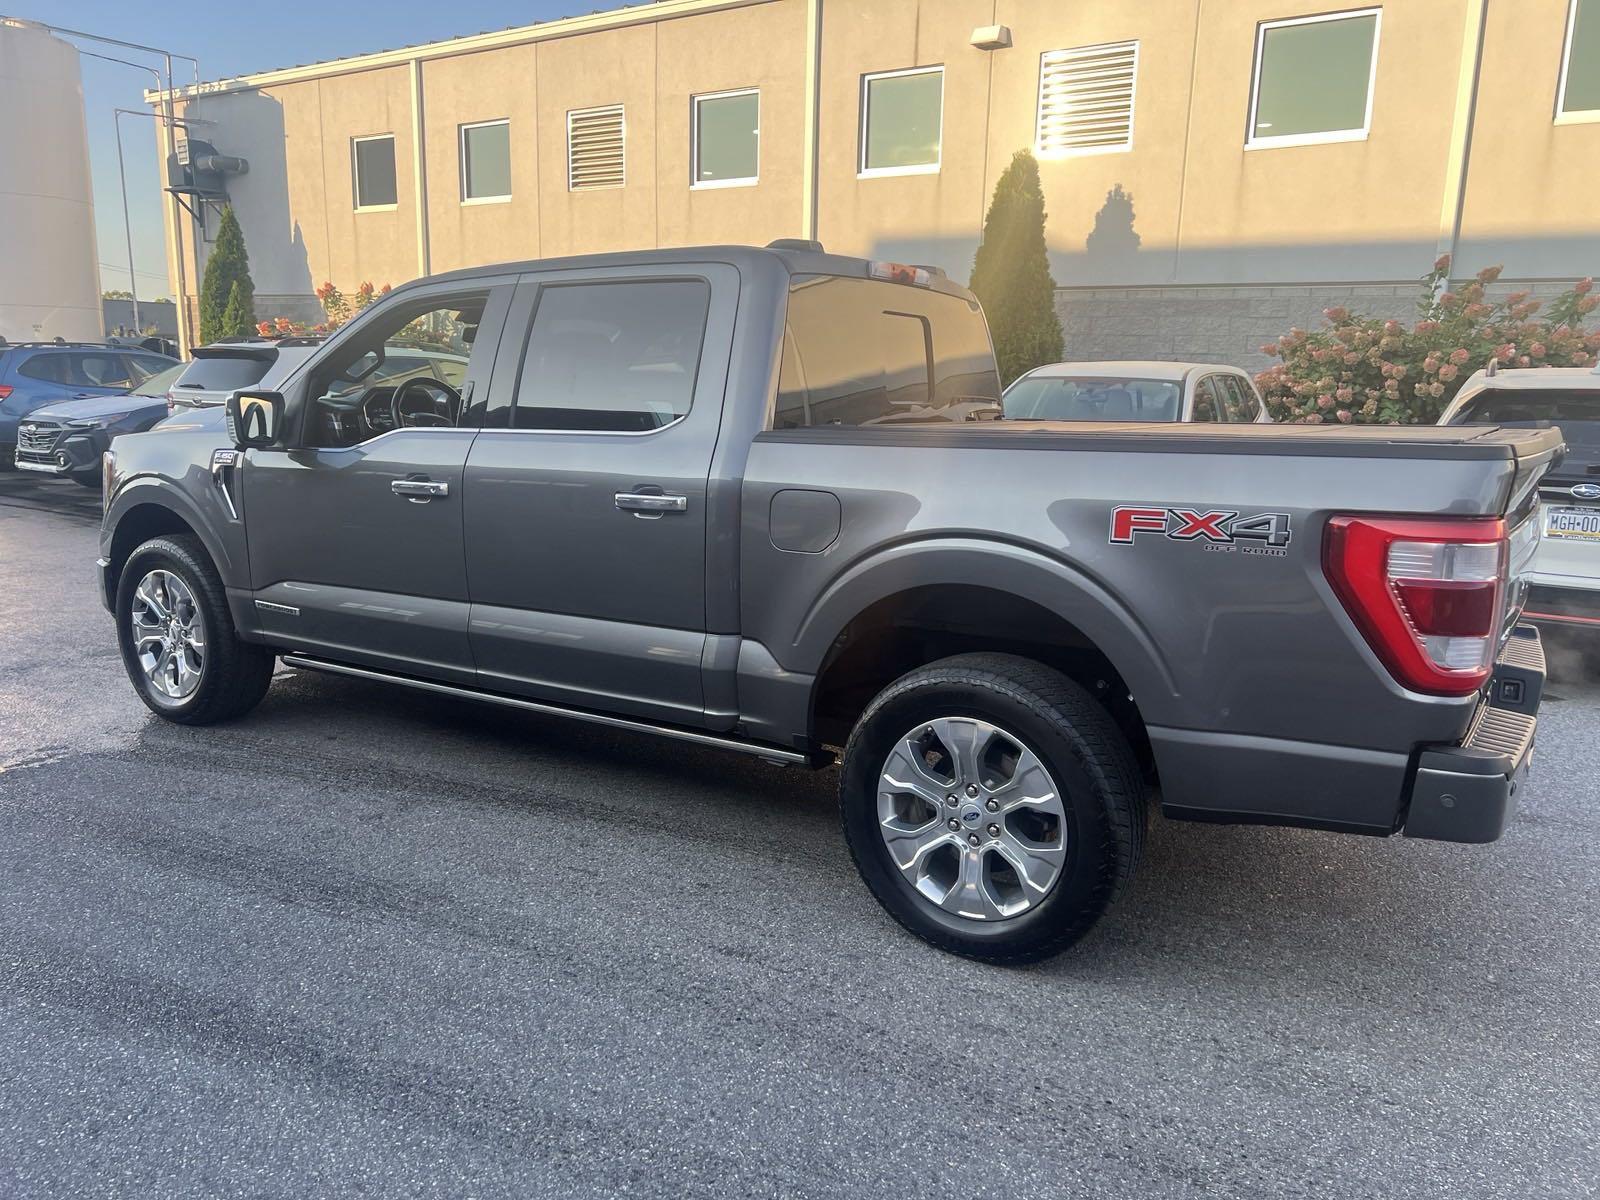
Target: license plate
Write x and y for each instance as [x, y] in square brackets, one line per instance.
[1572, 524]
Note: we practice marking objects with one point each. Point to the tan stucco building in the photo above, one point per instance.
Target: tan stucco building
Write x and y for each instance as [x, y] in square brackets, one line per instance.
[1214, 170]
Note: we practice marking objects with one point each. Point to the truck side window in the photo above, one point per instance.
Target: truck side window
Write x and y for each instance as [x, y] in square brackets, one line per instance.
[613, 357]
[863, 352]
[1207, 400]
[1240, 398]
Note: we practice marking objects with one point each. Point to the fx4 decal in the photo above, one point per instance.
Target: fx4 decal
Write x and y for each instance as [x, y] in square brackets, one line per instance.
[1261, 533]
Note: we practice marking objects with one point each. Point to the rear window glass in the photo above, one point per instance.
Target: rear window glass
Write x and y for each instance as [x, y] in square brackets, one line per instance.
[52, 368]
[222, 374]
[1045, 398]
[1530, 406]
[863, 352]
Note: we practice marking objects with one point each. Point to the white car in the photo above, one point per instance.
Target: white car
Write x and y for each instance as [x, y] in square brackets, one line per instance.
[1565, 580]
[1134, 391]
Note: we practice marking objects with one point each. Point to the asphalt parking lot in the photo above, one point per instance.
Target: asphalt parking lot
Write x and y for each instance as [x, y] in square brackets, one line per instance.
[371, 942]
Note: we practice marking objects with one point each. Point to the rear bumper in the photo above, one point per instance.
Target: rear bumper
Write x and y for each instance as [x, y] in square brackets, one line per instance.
[1459, 792]
[1467, 793]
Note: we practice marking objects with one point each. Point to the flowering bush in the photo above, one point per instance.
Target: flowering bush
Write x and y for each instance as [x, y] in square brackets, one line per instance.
[1363, 370]
[338, 307]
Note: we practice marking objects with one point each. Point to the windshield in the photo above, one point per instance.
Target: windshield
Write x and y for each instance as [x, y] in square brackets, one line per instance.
[1065, 398]
[1530, 406]
[157, 385]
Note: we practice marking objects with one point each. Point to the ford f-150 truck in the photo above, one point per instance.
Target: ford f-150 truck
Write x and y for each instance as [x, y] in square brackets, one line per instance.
[759, 499]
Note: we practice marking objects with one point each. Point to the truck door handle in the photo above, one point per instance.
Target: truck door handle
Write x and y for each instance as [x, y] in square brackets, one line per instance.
[648, 504]
[419, 491]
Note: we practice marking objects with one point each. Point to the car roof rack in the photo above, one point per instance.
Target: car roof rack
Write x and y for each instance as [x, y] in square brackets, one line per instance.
[56, 345]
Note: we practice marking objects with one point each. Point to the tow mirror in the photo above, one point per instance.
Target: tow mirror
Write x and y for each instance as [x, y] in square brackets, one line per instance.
[255, 419]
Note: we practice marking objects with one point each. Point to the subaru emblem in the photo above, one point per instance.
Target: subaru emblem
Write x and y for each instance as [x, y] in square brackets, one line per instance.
[1586, 491]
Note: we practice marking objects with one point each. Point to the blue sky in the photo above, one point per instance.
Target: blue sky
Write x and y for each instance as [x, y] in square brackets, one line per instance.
[228, 39]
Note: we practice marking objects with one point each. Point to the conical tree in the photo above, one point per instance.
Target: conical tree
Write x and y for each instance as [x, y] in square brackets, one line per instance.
[1011, 273]
[227, 266]
[239, 318]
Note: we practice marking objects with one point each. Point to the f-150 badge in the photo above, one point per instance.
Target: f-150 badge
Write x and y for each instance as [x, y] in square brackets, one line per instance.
[1260, 533]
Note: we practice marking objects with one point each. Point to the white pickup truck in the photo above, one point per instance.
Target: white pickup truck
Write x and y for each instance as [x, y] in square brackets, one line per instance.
[1564, 580]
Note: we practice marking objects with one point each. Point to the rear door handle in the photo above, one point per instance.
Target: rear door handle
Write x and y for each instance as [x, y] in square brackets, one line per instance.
[419, 491]
[651, 503]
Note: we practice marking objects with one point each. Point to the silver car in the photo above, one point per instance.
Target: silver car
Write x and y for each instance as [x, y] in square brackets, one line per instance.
[1135, 391]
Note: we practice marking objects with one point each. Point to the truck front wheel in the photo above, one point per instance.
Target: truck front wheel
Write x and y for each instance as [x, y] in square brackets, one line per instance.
[180, 648]
[992, 806]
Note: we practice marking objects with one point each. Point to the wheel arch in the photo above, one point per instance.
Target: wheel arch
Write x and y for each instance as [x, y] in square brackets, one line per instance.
[146, 509]
[921, 601]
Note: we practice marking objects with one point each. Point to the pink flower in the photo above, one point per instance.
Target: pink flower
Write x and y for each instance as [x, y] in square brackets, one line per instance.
[1449, 371]
[1336, 313]
[1459, 356]
[1442, 263]
[1583, 286]
[1344, 415]
[1536, 350]
[1324, 401]
[1506, 353]
[1427, 326]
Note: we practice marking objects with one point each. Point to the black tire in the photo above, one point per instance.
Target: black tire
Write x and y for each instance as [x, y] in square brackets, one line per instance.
[8, 458]
[1079, 744]
[88, 479]
[234, 674]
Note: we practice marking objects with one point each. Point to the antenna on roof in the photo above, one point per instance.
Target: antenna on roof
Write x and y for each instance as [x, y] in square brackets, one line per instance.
[1493, 367]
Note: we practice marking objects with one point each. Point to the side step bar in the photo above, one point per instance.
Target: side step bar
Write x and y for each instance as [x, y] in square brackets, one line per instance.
[772, 754]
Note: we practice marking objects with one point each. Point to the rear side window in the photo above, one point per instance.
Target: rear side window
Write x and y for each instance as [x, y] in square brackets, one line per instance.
[52, 368]
[1239, 398]
[1208, 404]
[222, 374]
[863, 352]
[613, 357]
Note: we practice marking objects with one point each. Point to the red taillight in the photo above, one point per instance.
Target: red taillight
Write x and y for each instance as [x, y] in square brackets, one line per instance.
[1427, 594]
[4, 391]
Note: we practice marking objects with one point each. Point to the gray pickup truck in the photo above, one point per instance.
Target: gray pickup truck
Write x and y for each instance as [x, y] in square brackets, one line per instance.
[758, 499]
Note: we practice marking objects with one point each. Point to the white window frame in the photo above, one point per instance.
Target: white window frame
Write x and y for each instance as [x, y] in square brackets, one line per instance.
[355, 175]
[1252, 142]
[461, 159]
[865, 172]
[1086, 151]
[696, 184]
[1581, 116]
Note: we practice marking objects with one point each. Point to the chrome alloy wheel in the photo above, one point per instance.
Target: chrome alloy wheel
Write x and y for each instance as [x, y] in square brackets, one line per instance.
[972, 818]
[169, 635]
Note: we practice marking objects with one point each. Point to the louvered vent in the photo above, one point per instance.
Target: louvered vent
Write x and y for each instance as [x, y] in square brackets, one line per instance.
[1086, 99]
[596, 148]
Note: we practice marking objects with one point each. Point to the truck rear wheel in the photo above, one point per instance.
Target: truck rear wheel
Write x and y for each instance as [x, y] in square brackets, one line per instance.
[179, 646]
[992, 806]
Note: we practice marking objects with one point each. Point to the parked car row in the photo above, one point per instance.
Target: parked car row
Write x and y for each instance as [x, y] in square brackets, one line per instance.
[62, 404]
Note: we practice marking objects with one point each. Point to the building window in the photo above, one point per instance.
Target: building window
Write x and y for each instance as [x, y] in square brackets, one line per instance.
[1579, 96]
[597, 148]
[902, 115]
[486, 162]
[727, 138]
[1086, 99]
[1313, 79]
[373, 171]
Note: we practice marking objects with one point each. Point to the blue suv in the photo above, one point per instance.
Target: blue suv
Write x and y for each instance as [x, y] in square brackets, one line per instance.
[33, 374]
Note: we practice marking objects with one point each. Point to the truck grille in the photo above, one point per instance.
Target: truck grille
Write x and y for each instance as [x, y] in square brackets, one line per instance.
[36, 439]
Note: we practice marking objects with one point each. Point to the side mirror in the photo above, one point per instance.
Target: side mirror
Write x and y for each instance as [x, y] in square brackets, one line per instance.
[255, 419]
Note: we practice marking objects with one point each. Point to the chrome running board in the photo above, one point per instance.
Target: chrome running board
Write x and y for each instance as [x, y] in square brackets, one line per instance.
[772, 754]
